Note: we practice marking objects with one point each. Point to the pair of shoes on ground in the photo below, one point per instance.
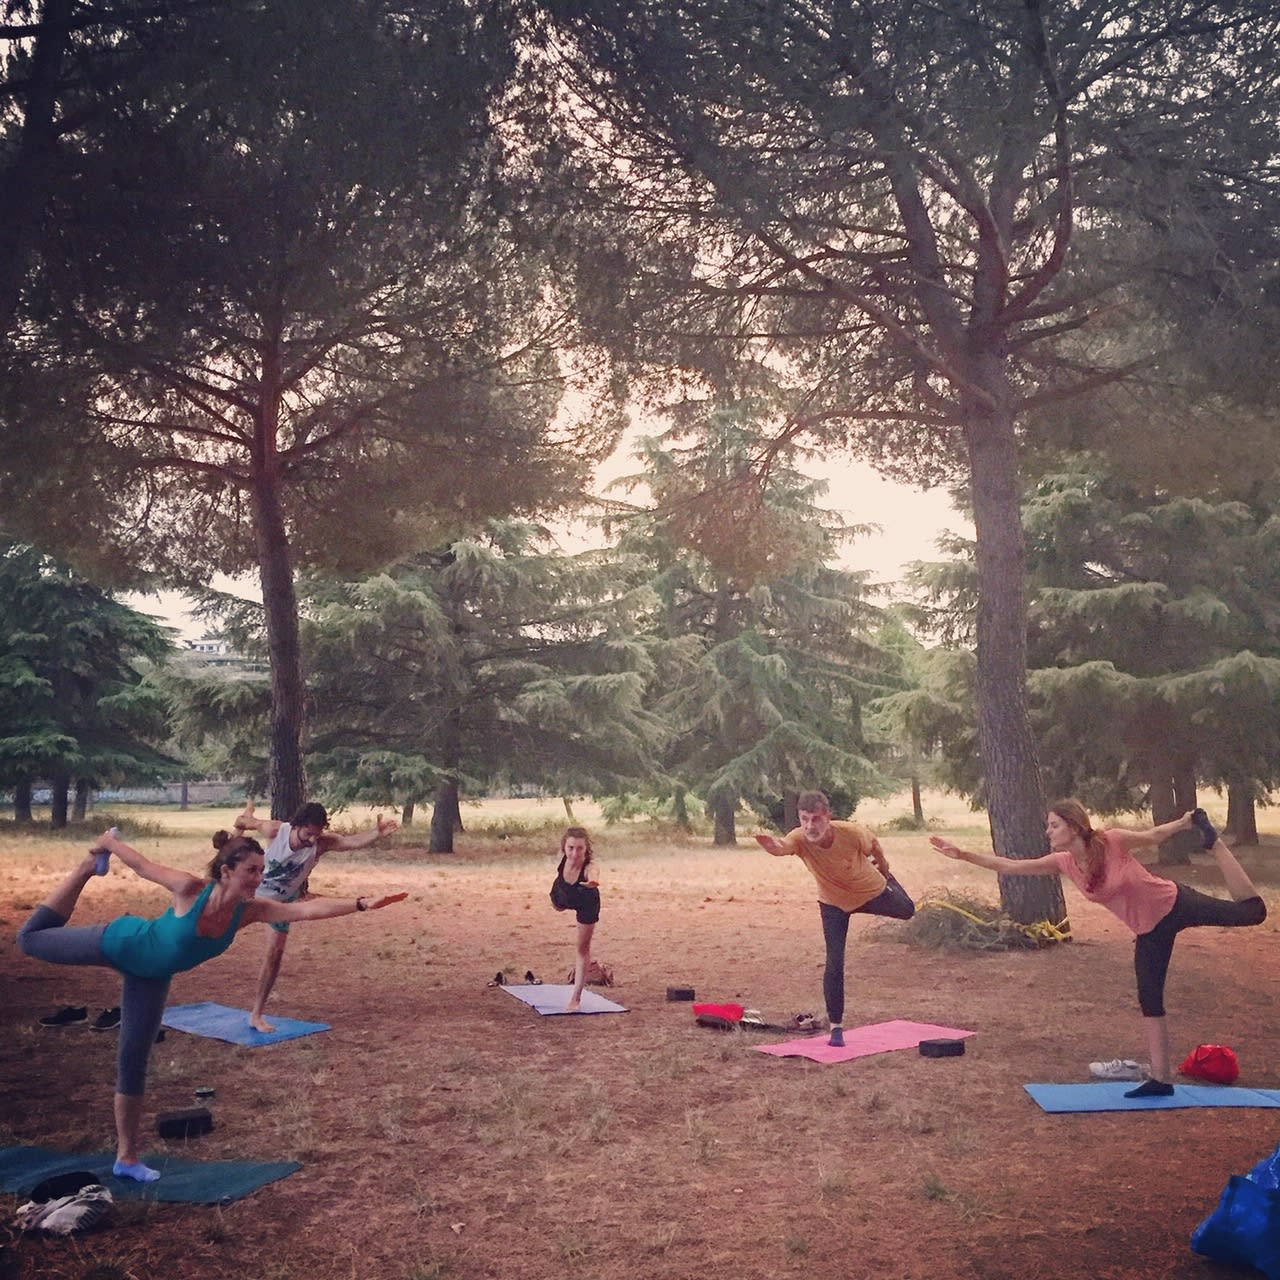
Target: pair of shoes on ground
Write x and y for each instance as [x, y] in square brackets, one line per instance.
[499, 981]
[71, 1015]
[1119, 1069]
[805, 1022]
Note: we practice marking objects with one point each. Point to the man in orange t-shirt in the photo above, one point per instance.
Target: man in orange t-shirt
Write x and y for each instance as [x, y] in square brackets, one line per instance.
[846, 860]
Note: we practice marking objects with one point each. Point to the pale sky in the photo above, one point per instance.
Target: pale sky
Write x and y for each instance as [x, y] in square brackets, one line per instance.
[911, 520]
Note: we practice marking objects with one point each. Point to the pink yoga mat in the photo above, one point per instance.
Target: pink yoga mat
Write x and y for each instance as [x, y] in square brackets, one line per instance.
[859, 1042]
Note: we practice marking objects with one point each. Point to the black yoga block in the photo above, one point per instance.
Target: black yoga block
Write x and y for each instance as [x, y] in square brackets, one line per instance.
[190, 1123]
[679, 993]
[942, 1048]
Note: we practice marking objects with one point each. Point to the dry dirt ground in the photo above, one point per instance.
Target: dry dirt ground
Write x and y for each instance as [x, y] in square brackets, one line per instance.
[445, 1130]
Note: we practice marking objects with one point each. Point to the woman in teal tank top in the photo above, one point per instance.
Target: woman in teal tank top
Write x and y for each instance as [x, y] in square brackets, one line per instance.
[202, 922]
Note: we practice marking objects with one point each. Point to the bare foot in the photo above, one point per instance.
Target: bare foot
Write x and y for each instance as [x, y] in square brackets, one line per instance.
[573, 1006]
[259, 1023]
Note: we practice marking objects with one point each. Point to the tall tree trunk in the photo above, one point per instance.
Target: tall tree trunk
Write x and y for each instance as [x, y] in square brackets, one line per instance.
[445, 818]
[25, 180]
[80, 807]
[917, 804]
[406, 814]
[59, 788]
[724, 810]
[680, 810]
[790, 810]
[1170, 799]
[1242, 813]
[1011, 769]
[567, 801]
[280, 607]
[22, 801]
[184, 795]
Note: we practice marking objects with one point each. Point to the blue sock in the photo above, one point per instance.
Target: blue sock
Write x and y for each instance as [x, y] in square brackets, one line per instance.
[138, 1171]
[837, 1037]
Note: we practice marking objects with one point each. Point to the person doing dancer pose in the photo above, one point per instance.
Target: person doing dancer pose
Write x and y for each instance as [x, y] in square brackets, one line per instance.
[577, 889]
[202, 922]
[293, 849]
[1101, 865]
[846, 860]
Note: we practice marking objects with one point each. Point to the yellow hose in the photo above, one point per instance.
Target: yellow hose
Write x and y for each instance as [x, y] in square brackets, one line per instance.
[1039, 931]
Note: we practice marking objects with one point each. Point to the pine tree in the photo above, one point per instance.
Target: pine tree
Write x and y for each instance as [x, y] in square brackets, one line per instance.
[493, 661]
[77, 707]
[769, 656]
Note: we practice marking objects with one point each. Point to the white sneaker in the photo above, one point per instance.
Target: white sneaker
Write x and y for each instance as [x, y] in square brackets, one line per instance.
[1119, 1069]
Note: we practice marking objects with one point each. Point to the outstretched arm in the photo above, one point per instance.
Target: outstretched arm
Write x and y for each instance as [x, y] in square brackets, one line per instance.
[313, 908]
[249, 821]
[361, 839]
[771, 844]
[179, 883]
[1145, 837]
[1045, 866]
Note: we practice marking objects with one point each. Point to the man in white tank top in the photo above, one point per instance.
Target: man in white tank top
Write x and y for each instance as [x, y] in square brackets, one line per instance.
[292, 850]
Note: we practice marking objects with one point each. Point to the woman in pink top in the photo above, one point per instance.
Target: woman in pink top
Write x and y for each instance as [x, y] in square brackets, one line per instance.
[1102, 865]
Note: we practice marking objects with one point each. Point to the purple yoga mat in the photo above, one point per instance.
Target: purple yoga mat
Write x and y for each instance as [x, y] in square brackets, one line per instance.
[859, 1042]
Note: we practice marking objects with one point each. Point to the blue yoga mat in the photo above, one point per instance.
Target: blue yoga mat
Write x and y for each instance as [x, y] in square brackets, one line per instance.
[181, 1182]
[218, 1022]
[1109, 1096]
[548, 998]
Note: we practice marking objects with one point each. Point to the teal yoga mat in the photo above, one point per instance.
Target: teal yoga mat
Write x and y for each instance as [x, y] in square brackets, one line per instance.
[182, 1181]
[1109, 1096]
[219, 1022]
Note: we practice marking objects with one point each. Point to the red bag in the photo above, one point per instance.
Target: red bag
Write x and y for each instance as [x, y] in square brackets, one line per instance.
[721, 1017]
[1214, 1063]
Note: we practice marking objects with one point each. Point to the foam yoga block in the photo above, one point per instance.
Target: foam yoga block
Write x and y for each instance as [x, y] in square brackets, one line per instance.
[189, 1123]
[942, 1048]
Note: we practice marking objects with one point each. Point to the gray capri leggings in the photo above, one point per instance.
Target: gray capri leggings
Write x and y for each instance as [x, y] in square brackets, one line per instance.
[46, 936]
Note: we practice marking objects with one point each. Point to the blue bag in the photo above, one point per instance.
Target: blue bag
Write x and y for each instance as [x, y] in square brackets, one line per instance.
[1245, 1227]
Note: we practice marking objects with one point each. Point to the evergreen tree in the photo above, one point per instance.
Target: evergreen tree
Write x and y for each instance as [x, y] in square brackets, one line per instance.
[769, 655]
[76, 705]
[283, 316]
[930, 219]
[493, 661]
[1154, 636]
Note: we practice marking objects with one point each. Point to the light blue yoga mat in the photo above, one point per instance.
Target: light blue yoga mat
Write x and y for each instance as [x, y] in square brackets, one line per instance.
[548, 998]
[219, 1022]
[1108, 1095]
[182, 1181]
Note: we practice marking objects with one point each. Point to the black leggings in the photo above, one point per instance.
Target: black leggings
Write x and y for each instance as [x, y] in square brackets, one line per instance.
[1153, 950]
[892, 901]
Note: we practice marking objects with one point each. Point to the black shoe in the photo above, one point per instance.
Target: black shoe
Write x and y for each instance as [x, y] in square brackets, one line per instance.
[497, 980]
[65, 1016]
[1208, 832]
[107, 1020]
